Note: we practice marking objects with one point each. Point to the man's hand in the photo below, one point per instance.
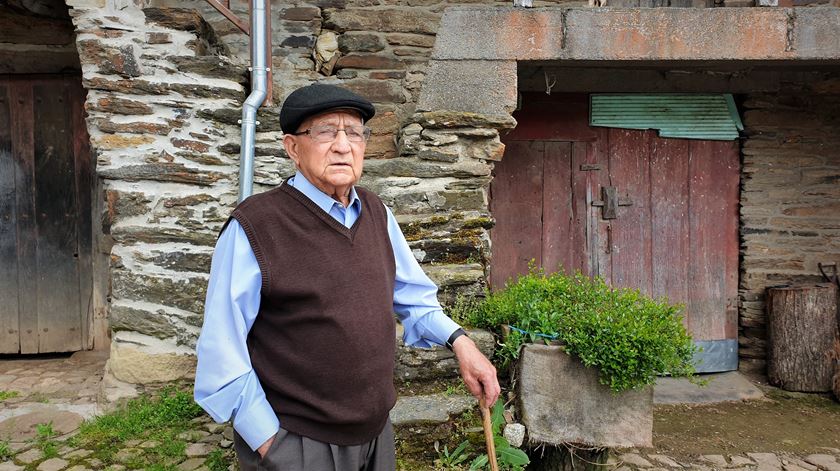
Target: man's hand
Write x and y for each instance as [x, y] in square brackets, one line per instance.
[478, 373]
[263, 449]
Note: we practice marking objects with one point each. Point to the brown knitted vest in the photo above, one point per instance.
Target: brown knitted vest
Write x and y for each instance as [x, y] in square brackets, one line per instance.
[323, 342]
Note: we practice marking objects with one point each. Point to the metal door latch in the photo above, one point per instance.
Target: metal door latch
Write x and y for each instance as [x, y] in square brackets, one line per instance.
[610, 201]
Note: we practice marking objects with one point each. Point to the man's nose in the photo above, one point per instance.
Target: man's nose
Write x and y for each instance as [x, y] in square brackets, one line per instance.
[341, 143]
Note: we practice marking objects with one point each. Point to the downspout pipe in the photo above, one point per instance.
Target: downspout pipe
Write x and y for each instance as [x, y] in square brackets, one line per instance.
[259, 81]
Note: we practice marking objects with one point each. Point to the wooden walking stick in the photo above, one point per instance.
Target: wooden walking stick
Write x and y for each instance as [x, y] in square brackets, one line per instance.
[488, 435]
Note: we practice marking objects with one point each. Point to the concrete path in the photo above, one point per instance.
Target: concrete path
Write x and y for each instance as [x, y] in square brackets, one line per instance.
[719, 387]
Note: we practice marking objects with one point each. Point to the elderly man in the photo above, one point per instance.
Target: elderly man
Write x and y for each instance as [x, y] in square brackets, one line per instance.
[297, 343]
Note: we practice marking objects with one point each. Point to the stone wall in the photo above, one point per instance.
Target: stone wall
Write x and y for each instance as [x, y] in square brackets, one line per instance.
[164, 98]
[790, 197]
[165, 88]
[156, 80]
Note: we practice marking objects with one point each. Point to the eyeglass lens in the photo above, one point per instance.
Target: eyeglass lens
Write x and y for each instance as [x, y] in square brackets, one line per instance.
[330, 133]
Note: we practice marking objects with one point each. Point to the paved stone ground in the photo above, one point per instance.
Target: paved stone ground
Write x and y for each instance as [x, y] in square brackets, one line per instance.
[60, 389]
[64, 391]
[829, 460]
[205, 438]
[72, 379]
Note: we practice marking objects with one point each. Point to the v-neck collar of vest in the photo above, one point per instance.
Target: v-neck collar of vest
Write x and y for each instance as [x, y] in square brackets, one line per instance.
[324, 216]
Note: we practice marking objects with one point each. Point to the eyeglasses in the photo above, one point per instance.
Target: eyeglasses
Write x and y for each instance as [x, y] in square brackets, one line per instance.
[328, 133]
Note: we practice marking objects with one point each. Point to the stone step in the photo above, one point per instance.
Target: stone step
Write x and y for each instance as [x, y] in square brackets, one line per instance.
[429, 409]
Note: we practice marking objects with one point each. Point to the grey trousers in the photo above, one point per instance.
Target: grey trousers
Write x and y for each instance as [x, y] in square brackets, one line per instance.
[292, 452]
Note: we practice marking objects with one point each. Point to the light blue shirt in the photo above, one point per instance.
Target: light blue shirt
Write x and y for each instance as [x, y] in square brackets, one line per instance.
[225, 382]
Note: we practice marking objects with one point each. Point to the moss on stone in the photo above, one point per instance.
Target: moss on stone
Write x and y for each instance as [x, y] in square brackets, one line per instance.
[414, 231]
[435, 221]
[471, 236]
[453, 258]
[480, 222]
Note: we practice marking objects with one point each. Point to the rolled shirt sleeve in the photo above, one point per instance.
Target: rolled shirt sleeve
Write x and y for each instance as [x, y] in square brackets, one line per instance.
[225, 382]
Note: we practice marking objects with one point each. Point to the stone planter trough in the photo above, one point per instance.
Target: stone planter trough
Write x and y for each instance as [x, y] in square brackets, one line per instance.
[562, 402]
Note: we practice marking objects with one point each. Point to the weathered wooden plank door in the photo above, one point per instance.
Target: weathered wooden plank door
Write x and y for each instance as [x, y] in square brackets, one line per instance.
[533, 199]
[45, 208]
[540, 190]
[660, 215]
[9, 322]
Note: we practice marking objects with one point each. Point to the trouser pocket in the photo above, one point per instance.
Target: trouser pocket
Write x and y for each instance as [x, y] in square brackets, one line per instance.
[272, 458]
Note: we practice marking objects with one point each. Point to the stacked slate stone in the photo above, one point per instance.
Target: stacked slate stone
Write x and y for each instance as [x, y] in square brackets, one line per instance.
[155, 82]
[164, 100]
[790, 213]
[432, 169]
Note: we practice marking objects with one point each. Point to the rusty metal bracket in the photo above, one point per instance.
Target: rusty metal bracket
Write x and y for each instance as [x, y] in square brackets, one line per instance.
[610, 201]
[224, 9]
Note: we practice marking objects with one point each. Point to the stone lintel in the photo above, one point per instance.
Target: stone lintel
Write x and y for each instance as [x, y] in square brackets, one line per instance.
[472, 86]
[639, 34]
[500, 34]
[816, 32]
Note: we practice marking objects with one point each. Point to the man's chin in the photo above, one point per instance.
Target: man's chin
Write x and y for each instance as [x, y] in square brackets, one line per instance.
[341, 177]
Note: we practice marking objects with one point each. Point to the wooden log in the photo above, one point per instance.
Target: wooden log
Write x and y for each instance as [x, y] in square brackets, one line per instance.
[803, 336]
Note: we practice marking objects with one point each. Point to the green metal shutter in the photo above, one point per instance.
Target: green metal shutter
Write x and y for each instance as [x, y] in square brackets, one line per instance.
[689, 116]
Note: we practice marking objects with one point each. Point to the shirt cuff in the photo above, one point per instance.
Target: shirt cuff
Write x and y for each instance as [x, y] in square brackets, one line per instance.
[256, 424]
[439, 327]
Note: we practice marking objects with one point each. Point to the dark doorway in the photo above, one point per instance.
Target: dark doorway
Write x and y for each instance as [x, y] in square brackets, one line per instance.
[45, 215]
[641, 211]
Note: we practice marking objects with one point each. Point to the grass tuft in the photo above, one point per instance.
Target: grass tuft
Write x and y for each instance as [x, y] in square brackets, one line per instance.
[161, 418]
[8, 394]
[218, 460]
[44, 439]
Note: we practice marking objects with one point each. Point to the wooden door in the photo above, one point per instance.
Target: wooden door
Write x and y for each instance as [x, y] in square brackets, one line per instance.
[538, 218]
[660, 215]
[45, 211]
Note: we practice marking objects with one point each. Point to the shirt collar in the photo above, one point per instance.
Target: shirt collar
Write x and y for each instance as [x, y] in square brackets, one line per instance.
[324, 201]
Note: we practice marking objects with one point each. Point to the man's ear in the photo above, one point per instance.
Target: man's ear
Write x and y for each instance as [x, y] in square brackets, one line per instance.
[290, 144]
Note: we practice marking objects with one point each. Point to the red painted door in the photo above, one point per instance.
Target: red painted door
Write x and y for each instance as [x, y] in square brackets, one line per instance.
[656, 214]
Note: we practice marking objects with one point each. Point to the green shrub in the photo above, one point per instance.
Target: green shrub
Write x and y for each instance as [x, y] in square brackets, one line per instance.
[462, 308]
[629, 337]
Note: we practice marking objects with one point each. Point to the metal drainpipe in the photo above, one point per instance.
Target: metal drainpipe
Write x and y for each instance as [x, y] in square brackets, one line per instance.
[254, 100]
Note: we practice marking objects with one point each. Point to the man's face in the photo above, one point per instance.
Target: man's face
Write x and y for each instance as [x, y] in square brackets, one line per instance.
[332, 166]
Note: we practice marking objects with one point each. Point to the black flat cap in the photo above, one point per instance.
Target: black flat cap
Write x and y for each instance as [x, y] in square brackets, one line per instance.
[316, 98]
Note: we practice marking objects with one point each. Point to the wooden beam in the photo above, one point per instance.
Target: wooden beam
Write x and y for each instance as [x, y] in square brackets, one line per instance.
[25, 29]
[39, 61]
